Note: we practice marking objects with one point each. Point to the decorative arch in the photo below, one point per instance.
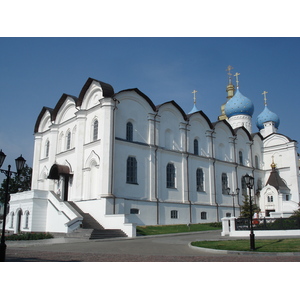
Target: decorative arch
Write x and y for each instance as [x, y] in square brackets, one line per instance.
[93, 159]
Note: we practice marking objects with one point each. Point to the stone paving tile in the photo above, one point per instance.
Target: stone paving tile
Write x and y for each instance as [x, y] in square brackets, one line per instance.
[20, 255]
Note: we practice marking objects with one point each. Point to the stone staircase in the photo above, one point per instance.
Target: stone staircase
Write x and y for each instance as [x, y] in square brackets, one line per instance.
[90, 227]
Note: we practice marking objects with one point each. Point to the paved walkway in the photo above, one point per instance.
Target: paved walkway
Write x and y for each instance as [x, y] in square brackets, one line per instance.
[160, 248]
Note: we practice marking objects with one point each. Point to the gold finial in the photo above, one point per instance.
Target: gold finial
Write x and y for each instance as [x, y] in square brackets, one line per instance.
[194, 92]
[229, 68]
[265, 97]
[237, 78]
[273, 165]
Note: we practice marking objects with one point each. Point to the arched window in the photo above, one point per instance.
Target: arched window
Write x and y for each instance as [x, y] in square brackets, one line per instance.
[47, 148]
[256, 162]
[95, 130]
[200, 180]
[12, 215]
[196, 147]
[129, 132]
[244, 186]
[241, 160]
[131, 176]
[224, 184]
[26, 219]
[68, 140]
[171, 175]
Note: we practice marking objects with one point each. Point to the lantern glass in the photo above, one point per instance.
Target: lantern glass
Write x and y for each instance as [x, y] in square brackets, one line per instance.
[20, 162]
[2, 158]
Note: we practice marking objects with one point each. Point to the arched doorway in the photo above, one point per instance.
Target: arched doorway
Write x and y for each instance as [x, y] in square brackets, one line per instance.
[61, 173]
[19, 221]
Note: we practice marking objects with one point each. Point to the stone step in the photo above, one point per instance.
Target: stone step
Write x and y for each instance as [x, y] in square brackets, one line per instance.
[92, 229]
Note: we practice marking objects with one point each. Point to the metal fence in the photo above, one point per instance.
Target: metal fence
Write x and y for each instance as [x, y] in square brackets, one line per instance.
[268, 223]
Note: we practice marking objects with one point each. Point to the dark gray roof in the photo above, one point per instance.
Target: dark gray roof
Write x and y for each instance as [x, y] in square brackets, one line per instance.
[276, 181]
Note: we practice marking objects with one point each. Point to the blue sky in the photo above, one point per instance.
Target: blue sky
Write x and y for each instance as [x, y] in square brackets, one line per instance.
[35, 72]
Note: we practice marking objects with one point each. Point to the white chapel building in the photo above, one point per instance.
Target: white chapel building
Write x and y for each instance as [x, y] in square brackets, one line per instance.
[126, 161]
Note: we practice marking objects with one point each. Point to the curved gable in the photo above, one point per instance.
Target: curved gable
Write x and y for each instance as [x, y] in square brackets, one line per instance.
[46, 113]
[202, 115]
[275, 139]
[93, 86]
[223, 124]
[148, 100]
[175, 105]
[64, 109]
[244, 131]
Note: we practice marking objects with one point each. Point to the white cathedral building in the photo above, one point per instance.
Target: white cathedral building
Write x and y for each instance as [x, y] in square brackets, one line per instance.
[126, 162]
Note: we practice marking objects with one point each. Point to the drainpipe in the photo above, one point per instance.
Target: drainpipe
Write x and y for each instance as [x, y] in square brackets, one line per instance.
[187, 172]
[214, 176]
[155, 172]
[236, 172]
[113, 156]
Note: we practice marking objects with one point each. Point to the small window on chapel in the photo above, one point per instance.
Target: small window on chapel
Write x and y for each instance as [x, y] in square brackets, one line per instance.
[129, 132]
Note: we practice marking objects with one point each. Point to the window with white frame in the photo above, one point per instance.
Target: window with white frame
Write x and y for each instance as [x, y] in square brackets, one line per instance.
[26, 220]
[196, 147]
[47, 148]
[95, 130]
[224, 183]
[131, 176]
[241, 159]
[174, 214]
[68, 140]
[203, 215]
[12, 215]
[171, 174]
[129, 132]
[200, 180]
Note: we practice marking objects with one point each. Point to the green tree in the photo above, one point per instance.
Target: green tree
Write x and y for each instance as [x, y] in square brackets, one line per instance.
[245, 208]
[17, 183]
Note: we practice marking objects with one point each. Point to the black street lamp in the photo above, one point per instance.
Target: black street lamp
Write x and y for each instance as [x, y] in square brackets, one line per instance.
[20, 161]
[233, 195]
[249, 180]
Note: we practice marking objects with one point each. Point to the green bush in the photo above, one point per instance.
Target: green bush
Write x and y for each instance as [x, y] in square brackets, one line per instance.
[29, 236]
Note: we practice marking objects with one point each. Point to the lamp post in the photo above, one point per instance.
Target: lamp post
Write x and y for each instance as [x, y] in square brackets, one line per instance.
[20, 161]
[233, 195]
[249, 180]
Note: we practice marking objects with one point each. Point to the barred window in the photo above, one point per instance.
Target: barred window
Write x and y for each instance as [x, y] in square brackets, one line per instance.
[131, 176]
[129, 132]
[47, 148]
[196, 147]
[244, 186]
[224, 183]
[171, 176]
[95, 130]
[241, 160]
[200, 180]
[68, 140]
[134, 211]
[203, 215]
[174, 214]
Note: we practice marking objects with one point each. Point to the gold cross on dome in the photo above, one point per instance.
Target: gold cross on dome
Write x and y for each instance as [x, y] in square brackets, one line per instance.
[237, 78]
[194, 92]
[229, 68]
[265, 97]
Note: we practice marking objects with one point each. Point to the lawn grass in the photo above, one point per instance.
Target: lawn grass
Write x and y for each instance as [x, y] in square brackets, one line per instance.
[166, 229]
[261, 245]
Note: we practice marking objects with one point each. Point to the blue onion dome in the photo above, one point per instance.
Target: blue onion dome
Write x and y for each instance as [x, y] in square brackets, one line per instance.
[239, 105]
[266, 116]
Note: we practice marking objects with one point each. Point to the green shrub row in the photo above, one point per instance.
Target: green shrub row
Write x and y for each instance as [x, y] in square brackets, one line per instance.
[29, 236]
